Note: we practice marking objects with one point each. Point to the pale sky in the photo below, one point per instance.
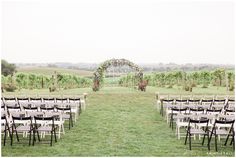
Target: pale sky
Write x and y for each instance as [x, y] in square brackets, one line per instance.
[143, 31]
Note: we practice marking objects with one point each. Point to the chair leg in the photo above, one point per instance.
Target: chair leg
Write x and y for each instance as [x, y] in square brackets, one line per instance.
[63, 128]
[69, 123]
[172, 126]
[30, 138]
[59, 131]
[17, 137]
[38, 136]
[80, 109]
[76, 116]
[186, 138]
[34, 139]
[216, 142]
[55, 136]
[190, 141]
[178, 132]
[12, 137]
[9, 133]
[170, 120]
[210, 138]
[5, 136]
[203, 139]
[226, 140]
[51, 138]
[233, 142]
[71, 119]
[208, 144]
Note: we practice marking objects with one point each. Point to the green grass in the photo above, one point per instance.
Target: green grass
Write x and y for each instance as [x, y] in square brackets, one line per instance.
[117, 122]
[49, 71]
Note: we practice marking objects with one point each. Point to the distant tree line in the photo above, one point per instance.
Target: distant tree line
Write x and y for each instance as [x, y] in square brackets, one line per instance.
[159, 67]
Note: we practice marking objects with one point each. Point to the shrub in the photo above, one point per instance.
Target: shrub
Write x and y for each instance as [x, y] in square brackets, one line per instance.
[9, 87]
[95, 88]
[193, 85]
[204, 86]
[52, 89]
[170, 86]
[231, 87]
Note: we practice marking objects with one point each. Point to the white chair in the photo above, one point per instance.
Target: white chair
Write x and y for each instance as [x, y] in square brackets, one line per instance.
[22, 124]
[193, 130]
[58, 122]
[182, 121]
[227, 132]
[47, 128]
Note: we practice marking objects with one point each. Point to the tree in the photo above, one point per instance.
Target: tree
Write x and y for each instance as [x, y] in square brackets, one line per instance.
[7, 68]
[205, 77]
[169, 78]
[218, 75]
[32, 81]
[178, 76]
[21, 80]
[230, 80]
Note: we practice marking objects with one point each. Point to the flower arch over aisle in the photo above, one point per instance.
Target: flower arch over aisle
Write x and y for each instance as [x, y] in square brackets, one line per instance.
[99, 73]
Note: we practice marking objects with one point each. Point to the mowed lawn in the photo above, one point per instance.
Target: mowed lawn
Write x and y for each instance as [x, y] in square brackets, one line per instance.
[117, 122]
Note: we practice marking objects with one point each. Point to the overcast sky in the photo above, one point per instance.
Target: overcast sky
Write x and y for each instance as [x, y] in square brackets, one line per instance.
[143, 31]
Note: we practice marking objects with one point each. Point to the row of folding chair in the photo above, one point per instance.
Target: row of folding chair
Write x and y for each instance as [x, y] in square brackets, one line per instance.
[216, 103]
[44, 100]
[52, 107]
[181, 119]
[212, 123]
[198, 109]
[60, 114]
[195, 127]
[192, 96]
[28, 125]
[75, 103]
[199, 101]
[75, 107]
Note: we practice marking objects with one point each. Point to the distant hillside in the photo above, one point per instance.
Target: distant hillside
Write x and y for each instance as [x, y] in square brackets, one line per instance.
[50, 70]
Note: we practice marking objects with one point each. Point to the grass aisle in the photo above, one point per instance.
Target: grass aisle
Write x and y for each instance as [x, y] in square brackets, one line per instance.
[116, 123]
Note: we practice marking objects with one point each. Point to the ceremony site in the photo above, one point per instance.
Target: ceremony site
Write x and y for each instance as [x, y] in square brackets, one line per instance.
[124, 78]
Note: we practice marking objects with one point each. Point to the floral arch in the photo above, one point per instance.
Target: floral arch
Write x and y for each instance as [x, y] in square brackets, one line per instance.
[98, 74]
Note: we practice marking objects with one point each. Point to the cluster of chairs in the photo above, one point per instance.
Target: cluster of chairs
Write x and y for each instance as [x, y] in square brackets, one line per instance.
[202, 117]
[38, 117]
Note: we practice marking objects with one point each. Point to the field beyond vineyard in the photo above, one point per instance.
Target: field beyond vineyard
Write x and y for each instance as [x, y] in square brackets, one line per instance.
[48, 71]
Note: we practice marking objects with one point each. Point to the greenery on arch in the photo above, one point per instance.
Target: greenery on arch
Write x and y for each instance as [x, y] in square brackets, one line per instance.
[99, 73]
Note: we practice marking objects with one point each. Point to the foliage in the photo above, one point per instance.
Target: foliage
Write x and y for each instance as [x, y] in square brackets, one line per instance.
[231, 80]
[8, 83]
[7, 68]
[33, 81]
[188, 80]
[218, 76]
[9, 87]
[21, 80]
